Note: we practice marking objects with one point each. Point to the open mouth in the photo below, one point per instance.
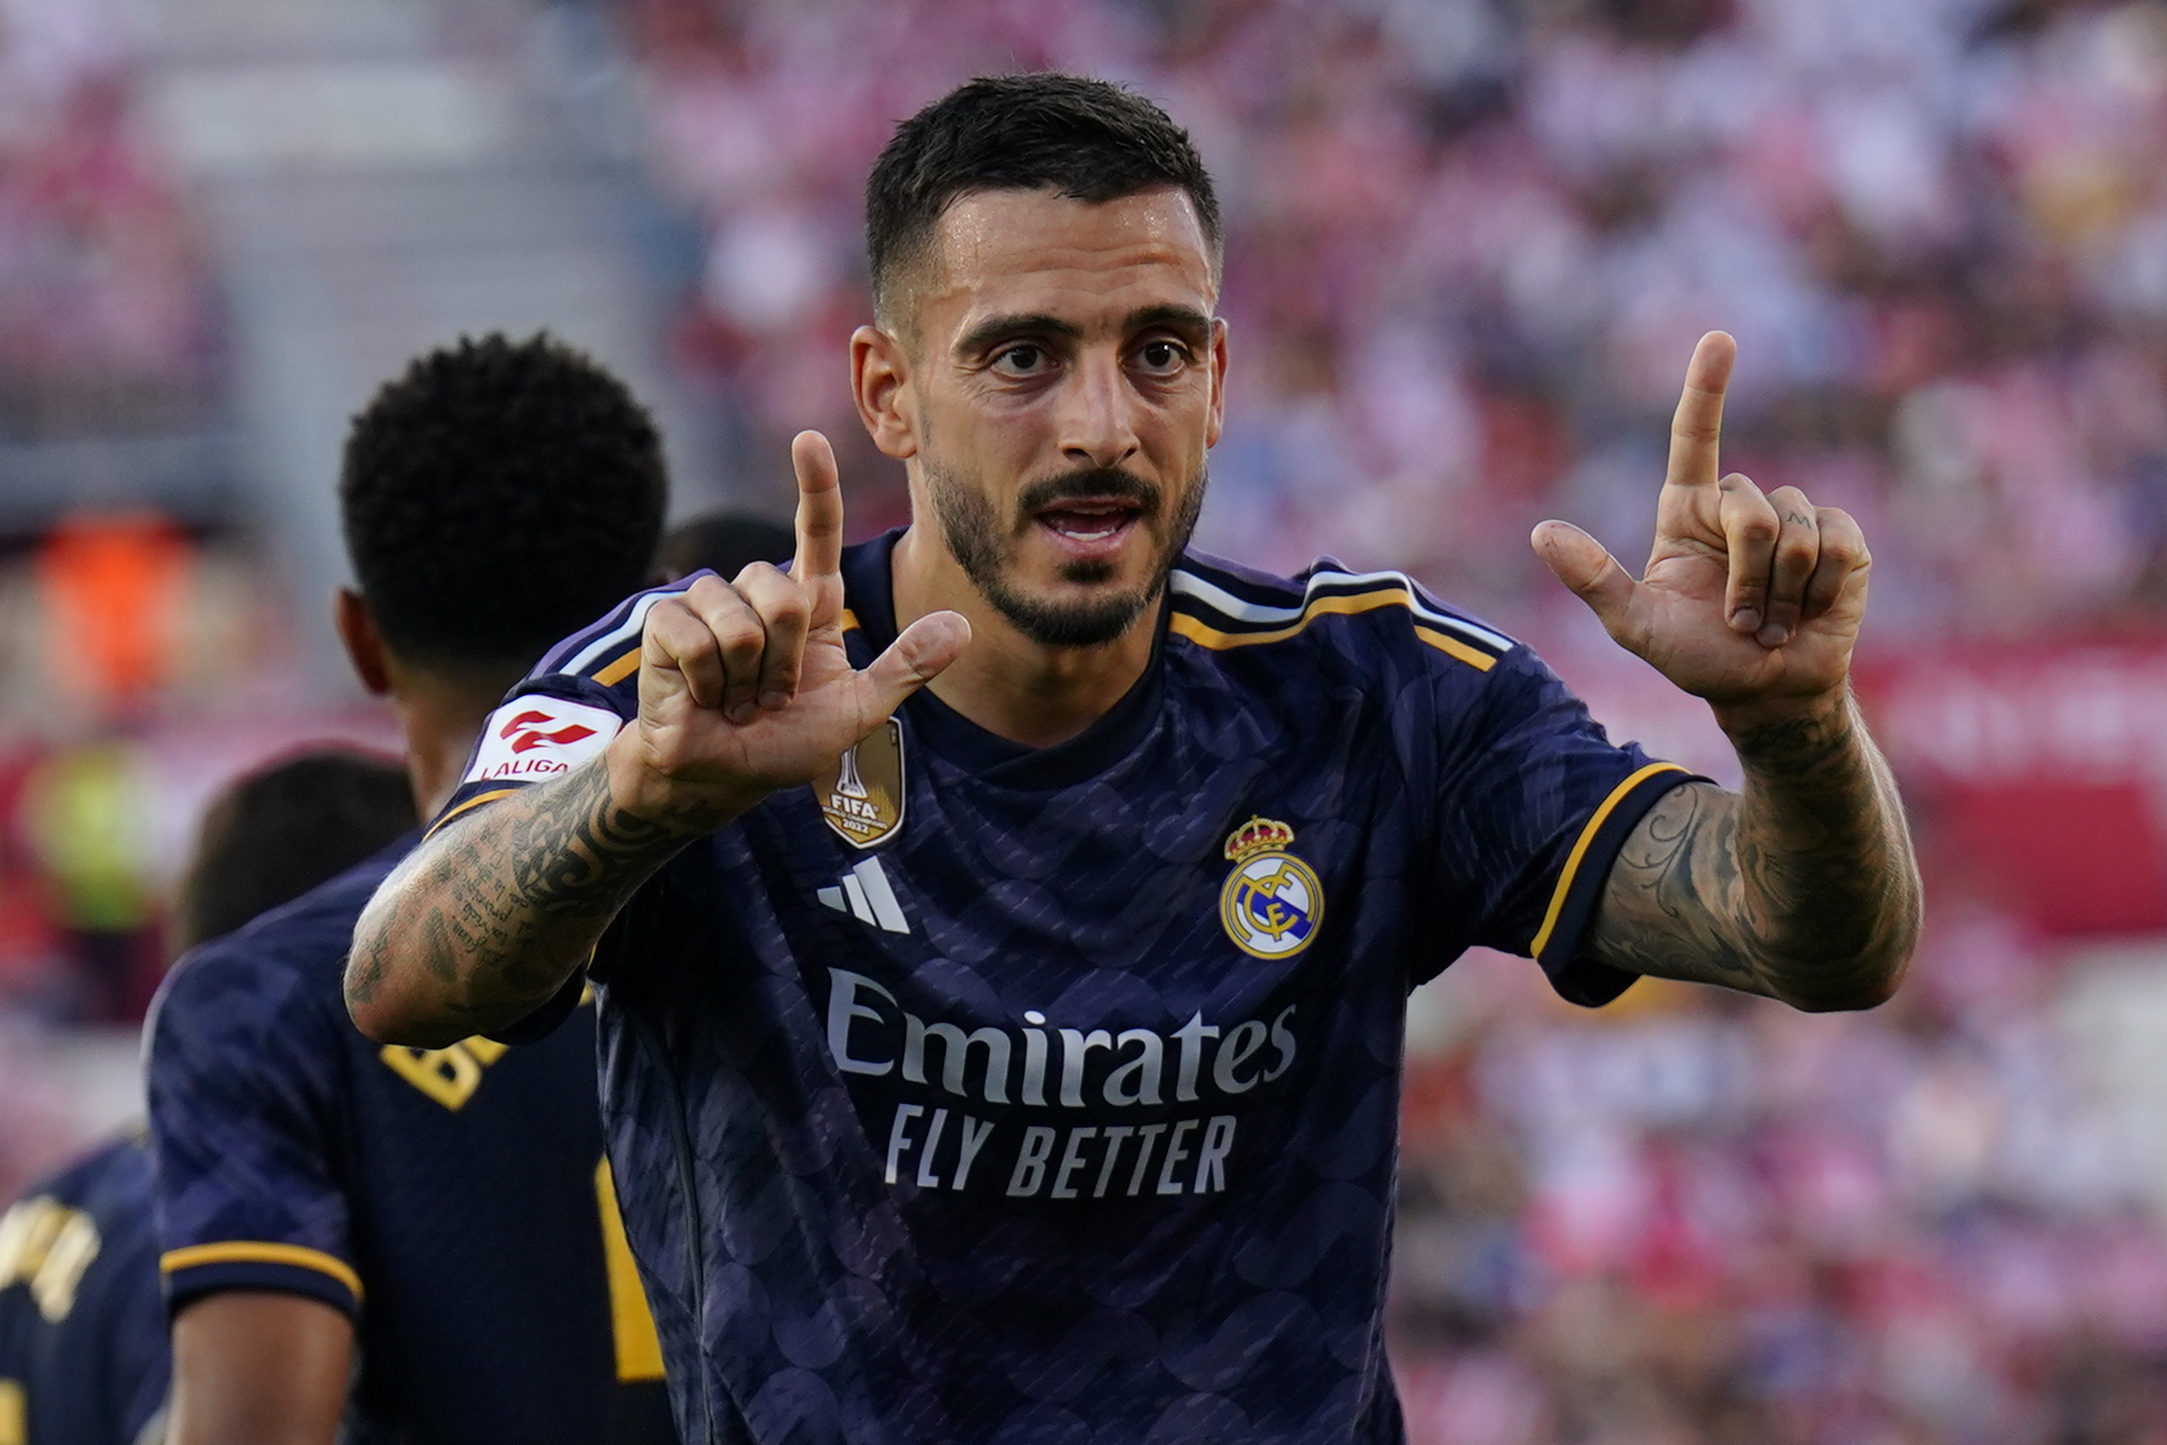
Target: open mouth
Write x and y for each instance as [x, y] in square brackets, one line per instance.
[1090, 520]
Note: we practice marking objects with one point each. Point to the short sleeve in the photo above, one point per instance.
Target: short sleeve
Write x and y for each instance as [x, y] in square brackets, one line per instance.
[1533, 803]
[242, 1071]
[581, 694]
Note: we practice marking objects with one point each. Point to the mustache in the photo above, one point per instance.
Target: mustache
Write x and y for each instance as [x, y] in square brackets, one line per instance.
[1087, 483]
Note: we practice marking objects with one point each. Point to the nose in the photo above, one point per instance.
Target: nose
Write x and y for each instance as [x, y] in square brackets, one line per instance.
[1096, 427]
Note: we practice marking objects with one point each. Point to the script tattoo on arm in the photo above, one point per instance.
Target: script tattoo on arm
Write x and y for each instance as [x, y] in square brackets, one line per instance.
[499, 909]
[1802, 887]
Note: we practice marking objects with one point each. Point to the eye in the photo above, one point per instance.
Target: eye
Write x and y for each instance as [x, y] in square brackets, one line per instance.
[1023, 359]
[1162, 357]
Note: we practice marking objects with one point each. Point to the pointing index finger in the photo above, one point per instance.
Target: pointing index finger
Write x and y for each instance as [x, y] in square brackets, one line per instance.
[1696, 428]
[820, 508]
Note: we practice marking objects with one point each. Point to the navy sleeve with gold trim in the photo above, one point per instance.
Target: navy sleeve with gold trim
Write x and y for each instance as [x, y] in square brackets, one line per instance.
[83, 1356]
[247, 1111]
[1521, 799]
[1539, 803]
[453, 1201]
[565, 712]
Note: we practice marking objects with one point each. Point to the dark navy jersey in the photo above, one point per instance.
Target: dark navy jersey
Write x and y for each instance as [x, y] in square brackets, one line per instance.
[83, 1357]
[454, 1201]
[985, 1094]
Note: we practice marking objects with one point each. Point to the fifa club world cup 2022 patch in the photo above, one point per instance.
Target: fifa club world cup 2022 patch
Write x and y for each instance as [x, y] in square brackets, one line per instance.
[862, 795]
[1272, 902]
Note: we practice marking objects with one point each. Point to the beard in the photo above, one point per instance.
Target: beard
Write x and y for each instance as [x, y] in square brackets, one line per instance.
[977, 541]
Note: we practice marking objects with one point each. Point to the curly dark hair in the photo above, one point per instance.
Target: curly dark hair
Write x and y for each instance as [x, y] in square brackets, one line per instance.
[1077, 136]
[498, 496]
[277, 832]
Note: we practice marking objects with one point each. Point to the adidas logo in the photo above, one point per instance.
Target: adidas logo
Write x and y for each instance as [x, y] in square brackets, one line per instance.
[864, 892]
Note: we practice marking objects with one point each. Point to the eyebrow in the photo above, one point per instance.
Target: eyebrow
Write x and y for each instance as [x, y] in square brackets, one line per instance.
[1039, 323]
[996, 328]
[1183, 318]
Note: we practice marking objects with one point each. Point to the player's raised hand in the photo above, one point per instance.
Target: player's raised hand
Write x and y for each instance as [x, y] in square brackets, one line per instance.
[1747, 599]
[745, 687]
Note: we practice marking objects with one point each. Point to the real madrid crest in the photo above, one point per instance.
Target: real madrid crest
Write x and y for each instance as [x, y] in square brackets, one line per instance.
[862, 795]
[1272, 902]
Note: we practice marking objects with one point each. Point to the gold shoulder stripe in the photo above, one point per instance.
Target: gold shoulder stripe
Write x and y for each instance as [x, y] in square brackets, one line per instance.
[849, 620]
[469, 805]
[626, 664]
[1580, 850]
[1207, 636]
[1451, 646]
[249, 1251]
[1342, 605]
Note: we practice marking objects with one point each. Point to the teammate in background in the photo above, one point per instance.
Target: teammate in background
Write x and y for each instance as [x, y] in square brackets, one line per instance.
[1034, 1073]
[434, 1228]
[274, 833]
[83, 1355]
[725, 543]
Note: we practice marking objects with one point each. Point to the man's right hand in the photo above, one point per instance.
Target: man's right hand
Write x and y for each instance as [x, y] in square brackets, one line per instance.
[745, 687]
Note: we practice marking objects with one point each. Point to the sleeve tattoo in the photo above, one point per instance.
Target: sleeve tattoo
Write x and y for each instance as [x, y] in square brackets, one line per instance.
[506, 904]
[1801, 888]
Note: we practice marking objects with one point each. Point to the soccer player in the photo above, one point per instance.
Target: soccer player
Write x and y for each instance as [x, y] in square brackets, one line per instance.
[1003, 927]
[435, 1227]
[83, 1356]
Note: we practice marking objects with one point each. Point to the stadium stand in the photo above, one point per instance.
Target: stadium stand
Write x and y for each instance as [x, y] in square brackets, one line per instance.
[1470, 243]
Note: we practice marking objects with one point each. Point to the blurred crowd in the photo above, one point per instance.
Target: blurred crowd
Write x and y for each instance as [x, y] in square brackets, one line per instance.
[1470, 246]
[1695, 1217]
[107, 320]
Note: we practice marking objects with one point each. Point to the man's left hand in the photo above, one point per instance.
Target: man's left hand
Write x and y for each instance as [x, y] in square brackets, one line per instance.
[1750, 601]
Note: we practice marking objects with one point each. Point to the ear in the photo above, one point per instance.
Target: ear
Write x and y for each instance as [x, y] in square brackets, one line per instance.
[364, 646]
[1217, 419]
[880, 383]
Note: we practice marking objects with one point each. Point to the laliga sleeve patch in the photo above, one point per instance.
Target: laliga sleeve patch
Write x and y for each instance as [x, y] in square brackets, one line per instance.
[531, 739]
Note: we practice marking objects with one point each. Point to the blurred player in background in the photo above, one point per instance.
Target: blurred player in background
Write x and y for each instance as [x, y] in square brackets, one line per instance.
[725, 543]
[83, 1353]
[435, 1228]
[274, 834]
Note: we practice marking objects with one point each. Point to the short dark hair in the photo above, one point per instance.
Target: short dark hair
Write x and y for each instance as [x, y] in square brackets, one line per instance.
[277, 832]
[498, 496]
[725, 542]
[1087, 139]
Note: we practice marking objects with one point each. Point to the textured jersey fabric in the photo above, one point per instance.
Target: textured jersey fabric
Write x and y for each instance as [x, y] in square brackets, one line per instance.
[453, 1201]
[83, 1357]
[1065, 1108]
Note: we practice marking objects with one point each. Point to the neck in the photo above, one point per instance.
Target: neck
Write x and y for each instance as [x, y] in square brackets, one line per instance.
[440, 717]
[1007, 684]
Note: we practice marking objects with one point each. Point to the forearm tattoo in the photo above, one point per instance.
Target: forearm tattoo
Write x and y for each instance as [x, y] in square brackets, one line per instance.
[1802, 887]
[500, 908]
